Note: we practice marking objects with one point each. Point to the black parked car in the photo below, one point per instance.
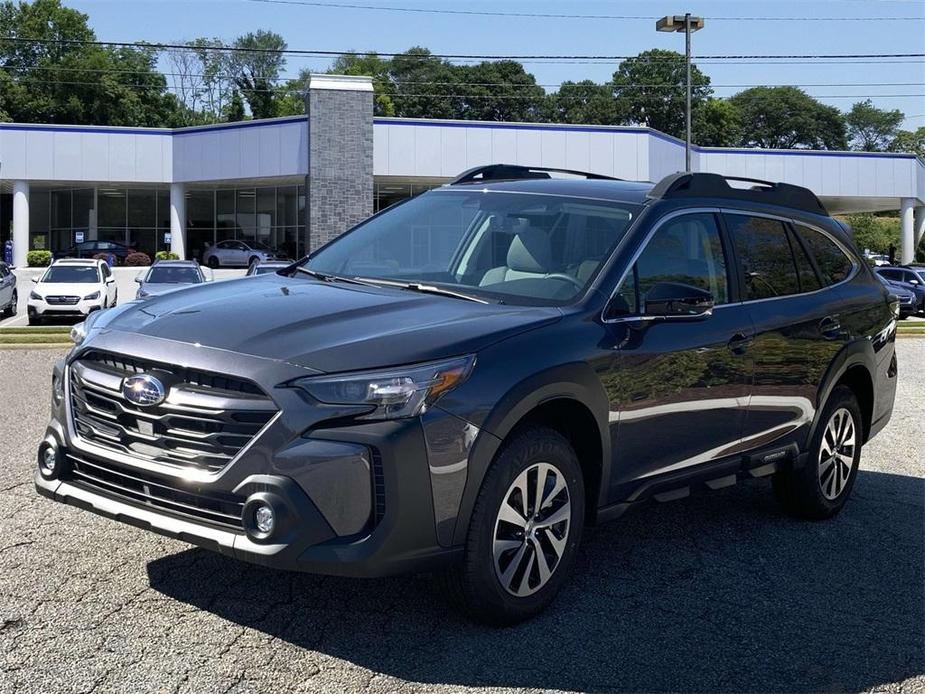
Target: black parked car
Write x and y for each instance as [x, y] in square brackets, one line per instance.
[89, 249]
[540, 354]
[909, 278]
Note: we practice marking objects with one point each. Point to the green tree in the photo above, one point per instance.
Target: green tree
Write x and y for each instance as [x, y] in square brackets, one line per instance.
[425, 86]
[910, 141]
[256, 66]
[650, 90]
[234, 110]
[582, 102]
[62, 78]
[871, 129]
[717, 123]
[788, 118]
[372, 65]
[499, 91]
[874, 233]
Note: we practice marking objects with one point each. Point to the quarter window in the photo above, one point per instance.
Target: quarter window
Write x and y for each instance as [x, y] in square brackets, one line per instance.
[833, 264]
[687, 250]
[767, 263]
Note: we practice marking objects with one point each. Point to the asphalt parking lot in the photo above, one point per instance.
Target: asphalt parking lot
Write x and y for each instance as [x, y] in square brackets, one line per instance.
[718, 593]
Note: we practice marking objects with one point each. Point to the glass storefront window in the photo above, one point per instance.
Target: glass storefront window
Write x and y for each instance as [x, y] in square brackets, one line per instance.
[142, 208]
[246, 214]
[200, 222]
[111, 203]
[224, 215]
[82, 207]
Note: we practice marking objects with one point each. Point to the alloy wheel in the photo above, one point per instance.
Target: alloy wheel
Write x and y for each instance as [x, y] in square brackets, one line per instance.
[836, 453]
[532, 529]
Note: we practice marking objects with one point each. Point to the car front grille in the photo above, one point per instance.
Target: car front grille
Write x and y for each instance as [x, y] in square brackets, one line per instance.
[205, 420]
[142, 488]
[61, 300]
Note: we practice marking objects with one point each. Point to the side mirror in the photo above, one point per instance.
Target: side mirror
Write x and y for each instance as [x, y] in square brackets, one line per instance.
[35, 280]
[110, 280]
[138, 279]
[676, 300]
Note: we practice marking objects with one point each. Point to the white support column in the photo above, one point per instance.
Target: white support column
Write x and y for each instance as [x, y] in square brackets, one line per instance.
[906, 230]
[178, 219]
[918, 226]
[20, 222]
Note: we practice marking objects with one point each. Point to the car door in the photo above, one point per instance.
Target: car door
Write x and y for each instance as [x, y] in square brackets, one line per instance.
[798, 325]
[678, 388]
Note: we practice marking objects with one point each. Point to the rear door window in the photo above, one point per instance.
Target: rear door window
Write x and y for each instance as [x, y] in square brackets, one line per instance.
[767, 263]
[833, 264]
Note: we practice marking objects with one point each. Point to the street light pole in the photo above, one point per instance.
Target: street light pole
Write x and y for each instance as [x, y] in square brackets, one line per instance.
[688, 25]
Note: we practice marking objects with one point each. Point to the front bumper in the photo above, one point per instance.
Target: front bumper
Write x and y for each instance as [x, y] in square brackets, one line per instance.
[353, 500]
[81, 308]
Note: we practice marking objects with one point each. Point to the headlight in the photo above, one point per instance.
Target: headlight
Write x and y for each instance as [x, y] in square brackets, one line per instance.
[79, 332]
[394, 393]
[33, 295]
[91, 297]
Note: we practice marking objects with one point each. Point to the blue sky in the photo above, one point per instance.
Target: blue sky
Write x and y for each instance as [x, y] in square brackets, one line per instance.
[323, 28]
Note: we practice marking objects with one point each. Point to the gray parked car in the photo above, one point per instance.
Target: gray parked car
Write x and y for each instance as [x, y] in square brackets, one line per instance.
[167, 275]
[908, 278]
[239, 254]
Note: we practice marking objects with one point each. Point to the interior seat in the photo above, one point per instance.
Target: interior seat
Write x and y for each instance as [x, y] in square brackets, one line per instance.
[528, 257]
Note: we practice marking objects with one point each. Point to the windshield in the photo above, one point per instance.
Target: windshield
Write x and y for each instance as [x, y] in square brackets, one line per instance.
[267, 269]
[72, 274]
[513, 247]
[173, 275]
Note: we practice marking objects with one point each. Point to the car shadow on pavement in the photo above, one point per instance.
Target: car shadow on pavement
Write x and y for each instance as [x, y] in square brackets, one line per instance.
[718, 592]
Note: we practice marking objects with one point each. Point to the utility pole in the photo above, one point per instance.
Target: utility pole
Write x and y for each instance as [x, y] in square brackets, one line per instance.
[688, 25]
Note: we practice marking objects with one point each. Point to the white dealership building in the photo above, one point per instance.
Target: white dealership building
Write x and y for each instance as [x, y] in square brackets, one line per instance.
[291, 182]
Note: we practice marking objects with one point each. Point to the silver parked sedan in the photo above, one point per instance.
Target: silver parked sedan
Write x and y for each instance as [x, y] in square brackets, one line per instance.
[167, 275]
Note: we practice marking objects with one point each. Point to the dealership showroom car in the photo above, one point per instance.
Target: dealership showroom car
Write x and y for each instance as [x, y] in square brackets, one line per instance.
[71, 289]
[88, 249]
[239, 254]
[168, 275]
[469, 405]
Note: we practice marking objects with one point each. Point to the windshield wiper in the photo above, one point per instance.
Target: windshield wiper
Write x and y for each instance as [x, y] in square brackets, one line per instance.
[325, 277]
[428, 289]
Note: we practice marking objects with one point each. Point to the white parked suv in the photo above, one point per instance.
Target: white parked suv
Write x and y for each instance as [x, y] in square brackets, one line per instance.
[72, 287]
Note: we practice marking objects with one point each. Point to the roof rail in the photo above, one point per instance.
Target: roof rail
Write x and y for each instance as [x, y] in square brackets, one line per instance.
[711, 185]
[516, 172]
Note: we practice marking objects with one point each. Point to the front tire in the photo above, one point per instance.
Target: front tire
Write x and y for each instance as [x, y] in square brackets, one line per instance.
[524, 532]
[35, 320]
[821, 487]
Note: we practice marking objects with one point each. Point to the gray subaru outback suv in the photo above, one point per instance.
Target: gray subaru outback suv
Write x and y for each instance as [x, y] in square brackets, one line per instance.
[464, 381]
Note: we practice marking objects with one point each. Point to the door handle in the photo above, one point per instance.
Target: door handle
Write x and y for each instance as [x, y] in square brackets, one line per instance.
[739, 342]
[830, 328]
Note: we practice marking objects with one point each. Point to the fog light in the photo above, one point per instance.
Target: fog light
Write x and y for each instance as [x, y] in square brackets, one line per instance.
[49, 464]
[264, 519]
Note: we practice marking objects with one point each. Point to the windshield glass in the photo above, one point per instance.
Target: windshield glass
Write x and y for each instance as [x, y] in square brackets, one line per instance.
[72, 274]
[173, 275]
[267, 269]
[513, 247]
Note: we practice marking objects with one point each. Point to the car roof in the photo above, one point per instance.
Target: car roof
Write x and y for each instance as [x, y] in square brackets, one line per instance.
[616, 191]
[77, 261]
[176, 263]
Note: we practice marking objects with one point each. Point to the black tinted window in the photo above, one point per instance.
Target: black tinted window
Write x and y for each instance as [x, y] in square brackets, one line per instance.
[809, 282]
[832, 261]
[764, 253]
[687, 250]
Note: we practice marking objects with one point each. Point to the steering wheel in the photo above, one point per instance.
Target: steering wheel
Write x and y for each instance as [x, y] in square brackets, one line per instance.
[565, 278]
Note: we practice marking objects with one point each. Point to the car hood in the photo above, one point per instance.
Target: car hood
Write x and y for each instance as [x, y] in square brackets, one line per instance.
[80, 289]
[329, 327]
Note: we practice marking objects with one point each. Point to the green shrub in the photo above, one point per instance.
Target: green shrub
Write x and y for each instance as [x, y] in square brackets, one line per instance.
[38, 258]
[166, 255]
[137, 259]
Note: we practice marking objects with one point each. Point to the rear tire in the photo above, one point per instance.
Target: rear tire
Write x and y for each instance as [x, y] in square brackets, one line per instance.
[212, 262]
[821, 487]
[520, 551]
[10, 310]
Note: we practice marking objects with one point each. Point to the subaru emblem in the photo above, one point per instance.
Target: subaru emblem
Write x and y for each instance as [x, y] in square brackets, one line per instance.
[144, 390]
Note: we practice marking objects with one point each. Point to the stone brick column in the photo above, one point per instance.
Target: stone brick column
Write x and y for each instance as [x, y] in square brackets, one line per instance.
[339, 185]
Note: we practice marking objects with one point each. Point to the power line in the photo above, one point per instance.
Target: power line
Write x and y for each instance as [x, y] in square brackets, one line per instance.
[458, 56]
[544, 15]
